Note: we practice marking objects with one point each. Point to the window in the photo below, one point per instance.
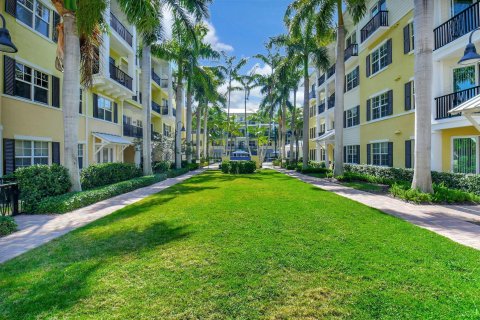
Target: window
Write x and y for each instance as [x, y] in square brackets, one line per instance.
[379, 6]
[352, 117]
[167, 130]
[80, 156]
[379, 105]
[410, 95]
[352, 79]
[411, 38]
[460, 5]
[35, 15]
[380, 154]
[31, 83]
[28, 153]
[464, 78]
[465, 155]
[352, 155]
[322, 154]
[352, 39]
[379, 58]
[105, 155]
[105, 108]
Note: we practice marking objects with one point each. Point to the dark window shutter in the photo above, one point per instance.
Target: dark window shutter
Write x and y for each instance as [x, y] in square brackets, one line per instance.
[389, 51]
[115, 112]
[368, 66]
[344, 154]
[56, 21]
[358, 153]
[95, 105]
[357, 118]
[358, 76]
[8, 156]
[11, 7]
[345, 85]
[80, 103]
[408, 95]
[344, 119]
[8, 75]
[56, 152]
[369, 153]
[369, 110]
[406, 39]
[390, 154]
[390, 102]
[55, 92]
[408, 153]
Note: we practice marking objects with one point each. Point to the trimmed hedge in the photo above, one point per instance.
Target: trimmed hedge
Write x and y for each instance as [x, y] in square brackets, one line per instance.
[238, 167]
[75, 200]
[161, 166]
[40, 181]
[176, 172]
[313, 170]
[97, 175]
[441, 194]
[7, 225]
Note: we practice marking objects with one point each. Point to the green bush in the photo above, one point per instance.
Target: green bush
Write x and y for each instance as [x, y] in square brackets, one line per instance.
[315, 164]
[75, 200]
[161, 166]
[353, 176]
[239, 167]
[276, 163]
[97, 175]
[40, 181]
[193, 166]
[408, 194]
[313, 170]
[176, 172]
[441, 194]
[7, 225]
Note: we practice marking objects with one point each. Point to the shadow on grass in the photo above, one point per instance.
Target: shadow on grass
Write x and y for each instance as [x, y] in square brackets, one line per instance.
[66, 275]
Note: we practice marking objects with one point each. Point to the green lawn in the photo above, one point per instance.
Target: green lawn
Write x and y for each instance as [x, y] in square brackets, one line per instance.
[259, 246]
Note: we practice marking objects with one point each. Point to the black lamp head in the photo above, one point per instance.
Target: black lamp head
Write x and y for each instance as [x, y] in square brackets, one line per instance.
[6, 44]
[470, 56]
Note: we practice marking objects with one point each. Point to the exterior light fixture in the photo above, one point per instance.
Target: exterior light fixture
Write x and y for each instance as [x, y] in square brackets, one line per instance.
[6, 44]
[470, 56]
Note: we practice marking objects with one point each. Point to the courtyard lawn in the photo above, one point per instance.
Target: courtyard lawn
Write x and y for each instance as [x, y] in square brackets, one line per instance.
[244, 247]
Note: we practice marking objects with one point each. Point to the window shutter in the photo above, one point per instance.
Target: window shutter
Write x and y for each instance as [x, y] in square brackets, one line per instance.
[390, 154]
[8, 75]
[56, 152]
[358, 153]
[344, 154]
[406, 39]
[80, 103]
[408, 95]
[369, 111]
[358, 76]
[344, 119]
[55, 92]
[56, 21]
[8, 155]
[369, 153]
[390, 102]
[368, 66]
[95, 105]
[389, 51]
[408, 153]
[345, 85]
[357, 118]
[115, 112]
[11, 7]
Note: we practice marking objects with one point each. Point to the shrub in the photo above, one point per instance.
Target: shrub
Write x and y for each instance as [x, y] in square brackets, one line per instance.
[97, 175]
[353, 176]
[40, 181]
[442, 194]
[408, 194]
[7, 225]
[161, 166]
[75, 200]
[193, 166]
[315, 164]
[239, 167]
[313, 170]
[276, 163]
[176, 172]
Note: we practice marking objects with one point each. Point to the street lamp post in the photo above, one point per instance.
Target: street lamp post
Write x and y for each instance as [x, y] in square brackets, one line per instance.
[177, 151]
[6, 44]
[470, 55]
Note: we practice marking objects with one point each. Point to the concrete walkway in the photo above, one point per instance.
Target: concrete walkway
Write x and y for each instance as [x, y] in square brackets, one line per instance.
[35, 230]
[458, 223]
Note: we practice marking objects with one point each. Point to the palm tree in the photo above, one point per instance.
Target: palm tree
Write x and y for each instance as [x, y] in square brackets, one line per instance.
[322, 13]
[423, 20]
[248, 82]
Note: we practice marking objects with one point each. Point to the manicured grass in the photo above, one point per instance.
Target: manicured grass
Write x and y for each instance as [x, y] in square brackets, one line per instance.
[317, 175]
[364, 186]
[244, 247]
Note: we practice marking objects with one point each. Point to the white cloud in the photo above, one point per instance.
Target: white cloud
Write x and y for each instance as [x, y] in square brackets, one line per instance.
[213, 39]
[265, 70]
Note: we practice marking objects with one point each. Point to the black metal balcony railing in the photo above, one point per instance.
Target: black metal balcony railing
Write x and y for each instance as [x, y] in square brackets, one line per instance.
[321, 80]
[120, 76]
[378, 20]
[331, 101]
[351, 51]
[321, 108]
[155, 77]
[129, 130]
[120, 29]
[321, 133]
[9, 197]
[156, 107]
[459, 25]
[447, 102]
[174, 112]
[164, 109]
[331, 71]
[312, 94]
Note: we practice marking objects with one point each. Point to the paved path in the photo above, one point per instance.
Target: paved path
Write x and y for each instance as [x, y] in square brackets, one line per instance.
[35, 230]
[453, 222]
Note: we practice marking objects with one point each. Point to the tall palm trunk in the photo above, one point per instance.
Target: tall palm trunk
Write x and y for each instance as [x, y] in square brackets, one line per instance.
[227, 140]
[70, 97]
[205, 132]
[147, 110]
[178, 119]
[339, 88]
[423, 20]
[306, 85]
[284, 130]
[198, 114]
[246, 125]
[189, 123]
[292, 123]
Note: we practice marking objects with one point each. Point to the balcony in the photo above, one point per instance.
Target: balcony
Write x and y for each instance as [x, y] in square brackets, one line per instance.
[163, 110]
[459, 25]
[321, 108]
[331, 71]
[174, 112]
[378, 20]
[120, 76]
[351, 51]
[331, 101]
[138, 97]
[321, 80]
[130, 130]
[447, 102]
[312, 94]
[119, 28]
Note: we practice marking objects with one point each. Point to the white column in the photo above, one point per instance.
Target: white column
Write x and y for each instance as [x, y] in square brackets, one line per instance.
[137, 157]
[437, 151]
[170, 90]
[131, 61]
[105, 47]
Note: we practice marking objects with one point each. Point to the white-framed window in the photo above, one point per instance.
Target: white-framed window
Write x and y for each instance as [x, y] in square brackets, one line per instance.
[31, 84]
[105, 109]
[379, 58]
[352, 39]
[379, 105]
[380, 154]
[322, 154]
[352, 79]
[81, 156]
[34, 14]
[460, 5]
[411, 36]
[28, 153]
[465, 155]
[107, 154]
[352, 155]
[379, 6]
[352, 117]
